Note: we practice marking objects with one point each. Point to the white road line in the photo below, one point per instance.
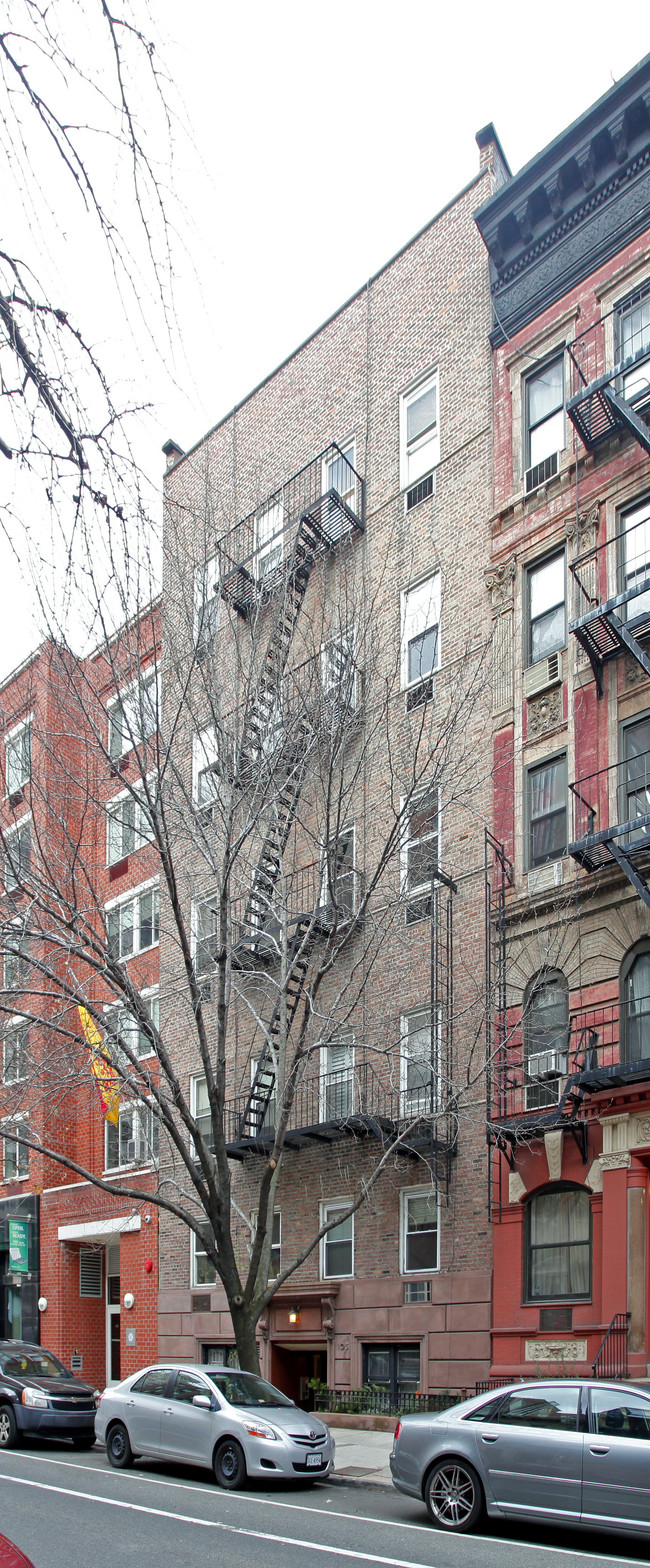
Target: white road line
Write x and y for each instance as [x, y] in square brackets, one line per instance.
[267, 1502]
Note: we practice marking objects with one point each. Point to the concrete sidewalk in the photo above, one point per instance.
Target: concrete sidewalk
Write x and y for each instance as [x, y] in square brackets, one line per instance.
[361, 1458]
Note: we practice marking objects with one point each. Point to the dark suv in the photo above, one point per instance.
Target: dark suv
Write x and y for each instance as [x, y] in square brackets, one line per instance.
[39, 1397]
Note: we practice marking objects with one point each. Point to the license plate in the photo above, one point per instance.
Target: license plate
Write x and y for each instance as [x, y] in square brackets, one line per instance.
[314, 1461]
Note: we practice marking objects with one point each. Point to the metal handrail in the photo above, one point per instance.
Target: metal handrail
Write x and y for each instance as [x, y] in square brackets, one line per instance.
[611, 1360]
[302, 490]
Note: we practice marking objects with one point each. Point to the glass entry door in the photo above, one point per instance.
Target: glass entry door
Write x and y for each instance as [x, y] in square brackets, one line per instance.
[113, 1358]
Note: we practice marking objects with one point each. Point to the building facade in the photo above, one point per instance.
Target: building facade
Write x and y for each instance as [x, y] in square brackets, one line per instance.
[568, 240]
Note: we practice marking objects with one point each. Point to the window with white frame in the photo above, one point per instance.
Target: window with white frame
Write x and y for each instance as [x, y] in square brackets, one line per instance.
[200, 1107]
[133, 924]
[15, 1155]
[420, 1230]
[263, 1114]
[420, 631]
[338, 878]
[128, 827]
[546, 607]
[634, 558]
[275, 1255]
[544, 405]
[206, 601]
[125, 1031]
[418, 1064]
[16, 956]
[632, 323]
[18, 757]
[204, 931]
[205, 766]
[339, 673]
[203, 1271]
[340, 473]
[18, 854]
[337, 1077]
[337, 1245]
[419, 431]
[269, 539]
[547, 811]
[15, 1050]
[420, 850]
[133, 716]
[133, 1140]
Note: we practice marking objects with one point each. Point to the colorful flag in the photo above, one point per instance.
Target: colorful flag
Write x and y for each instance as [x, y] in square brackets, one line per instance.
[102, 1067]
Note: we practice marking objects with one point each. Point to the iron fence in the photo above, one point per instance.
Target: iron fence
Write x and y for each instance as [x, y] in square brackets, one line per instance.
[370, 1401]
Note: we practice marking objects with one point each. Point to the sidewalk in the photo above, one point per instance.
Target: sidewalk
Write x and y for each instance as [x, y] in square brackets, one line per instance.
[361, 1458]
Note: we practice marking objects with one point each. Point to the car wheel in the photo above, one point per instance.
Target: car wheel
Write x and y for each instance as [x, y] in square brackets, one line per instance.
[453, 1495]
[8, 1427]
[229, 1464]
[84, 1440]
[118, 1447]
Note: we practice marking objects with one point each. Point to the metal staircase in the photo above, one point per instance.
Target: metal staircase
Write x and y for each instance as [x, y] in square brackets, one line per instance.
[263, 1086]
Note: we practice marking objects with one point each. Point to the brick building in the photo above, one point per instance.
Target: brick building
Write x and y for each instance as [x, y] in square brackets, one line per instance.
[68, 1251]
[568, 240]
[322, 546]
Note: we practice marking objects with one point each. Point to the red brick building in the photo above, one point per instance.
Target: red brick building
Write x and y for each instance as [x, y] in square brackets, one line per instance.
[70, 1253]
[569, 245]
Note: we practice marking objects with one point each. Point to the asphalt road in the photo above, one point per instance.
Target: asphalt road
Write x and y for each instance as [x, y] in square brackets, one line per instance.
[73, 1511]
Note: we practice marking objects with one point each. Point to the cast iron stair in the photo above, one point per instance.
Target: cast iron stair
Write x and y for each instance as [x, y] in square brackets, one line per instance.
[298, 956]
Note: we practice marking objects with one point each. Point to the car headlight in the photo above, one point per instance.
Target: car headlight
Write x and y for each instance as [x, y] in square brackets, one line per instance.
[35, 1399]
[259, 1429]
[97, 1398]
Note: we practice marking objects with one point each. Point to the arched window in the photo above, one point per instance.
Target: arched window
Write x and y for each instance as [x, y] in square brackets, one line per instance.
[635, 1003]
[546, 1035]
[558, 1245]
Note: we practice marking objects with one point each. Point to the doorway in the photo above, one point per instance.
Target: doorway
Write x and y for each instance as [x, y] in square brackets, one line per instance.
[294, 1367]
[113, 1356]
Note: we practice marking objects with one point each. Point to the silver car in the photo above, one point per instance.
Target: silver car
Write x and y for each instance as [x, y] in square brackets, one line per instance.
[232, 1422]
[568, 1452]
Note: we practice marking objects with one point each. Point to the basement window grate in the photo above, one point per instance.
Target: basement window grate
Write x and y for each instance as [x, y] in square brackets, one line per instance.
[416, 1290]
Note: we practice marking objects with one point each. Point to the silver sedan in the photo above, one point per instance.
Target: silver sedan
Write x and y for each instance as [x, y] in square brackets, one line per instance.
[232, 1422]
[570, 1452]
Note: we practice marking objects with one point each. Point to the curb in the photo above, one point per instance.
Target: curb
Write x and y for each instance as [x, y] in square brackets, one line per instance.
[362, 1481]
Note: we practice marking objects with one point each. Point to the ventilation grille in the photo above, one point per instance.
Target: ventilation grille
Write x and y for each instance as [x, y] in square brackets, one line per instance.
[547, 672]
[416, 1290]
[200, 1303]
[90, 1272]
[541, 472]
[419, 492]
[419, 695]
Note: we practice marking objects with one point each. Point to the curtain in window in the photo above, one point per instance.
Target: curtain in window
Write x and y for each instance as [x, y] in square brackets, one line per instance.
[636, 1000]
[560, 1248]
[548, 812]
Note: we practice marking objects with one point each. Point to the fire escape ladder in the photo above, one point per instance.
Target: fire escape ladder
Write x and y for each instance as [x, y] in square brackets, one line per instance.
[631, 871]
[290, 781]
[263, 1086]
[625, 415]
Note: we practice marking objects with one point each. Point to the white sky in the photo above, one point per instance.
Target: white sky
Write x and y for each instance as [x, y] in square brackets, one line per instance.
[320, 142]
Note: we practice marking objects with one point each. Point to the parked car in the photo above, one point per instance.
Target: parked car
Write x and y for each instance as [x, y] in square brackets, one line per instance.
[38, 1396]
[11, 1556]
[232, 1422]
[571, 1452]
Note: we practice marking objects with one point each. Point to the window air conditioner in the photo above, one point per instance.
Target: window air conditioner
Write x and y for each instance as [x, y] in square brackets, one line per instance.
[546, 1064]
[547, 672]
[130, 1150]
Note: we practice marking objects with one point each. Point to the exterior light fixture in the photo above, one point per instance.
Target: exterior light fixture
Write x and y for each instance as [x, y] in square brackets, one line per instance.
[129, 1300]
[42, 1303]
[294, 1316]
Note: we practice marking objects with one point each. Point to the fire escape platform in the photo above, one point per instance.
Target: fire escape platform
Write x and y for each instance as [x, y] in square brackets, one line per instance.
[325, 524]
[359, 1124]
[603, 633]
[598, 411]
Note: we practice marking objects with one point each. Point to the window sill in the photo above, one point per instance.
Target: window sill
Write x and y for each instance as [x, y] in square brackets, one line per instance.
[125, 958]
[118, 1170]
[423, 1274]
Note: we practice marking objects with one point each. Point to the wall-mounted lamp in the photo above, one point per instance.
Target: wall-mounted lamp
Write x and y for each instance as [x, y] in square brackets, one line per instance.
[129, 1300]
[294, 1316]
[42, 1303]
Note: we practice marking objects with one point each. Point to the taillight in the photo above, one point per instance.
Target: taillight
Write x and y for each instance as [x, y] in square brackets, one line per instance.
[398, 1429]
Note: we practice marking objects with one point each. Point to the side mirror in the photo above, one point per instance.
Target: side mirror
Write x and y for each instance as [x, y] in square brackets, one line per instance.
[202, 1401]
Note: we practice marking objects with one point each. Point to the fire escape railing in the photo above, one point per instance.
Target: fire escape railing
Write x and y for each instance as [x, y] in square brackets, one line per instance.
[610, 607]
[608, 399]
[601, 1047]
[611, 821]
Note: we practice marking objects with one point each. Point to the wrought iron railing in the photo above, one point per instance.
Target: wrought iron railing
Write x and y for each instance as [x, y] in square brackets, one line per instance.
[260, 543]
[611, 1360]
[604, 356]
[372, 1401]
[302, 895]
[614, 573]
[613, 803]
[530, 1074]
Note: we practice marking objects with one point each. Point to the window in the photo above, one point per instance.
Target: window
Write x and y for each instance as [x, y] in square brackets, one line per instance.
[187, 1385]
[340, 474]
[420, 631]
[15, 1155]
[419, 1231]
[337, 891]
[201, 1109]
[124, 1030]
[394, 1369]
[546, 608]
[635, 1003]
[128, 827]
[203, 1269]
[634, 548]
[545, 418]
[418, 1066]
[337, 1078]
[337, 1247]
[621, 1414]
[546, 1038]
[547, 811]
[18, 757]
[269, 540]
[632, 338]
[15, 1051]
[275, 1256]
[154, 1383]
[205, 924]
[554, 1408]
[634, 776]
[134, 1140]
[558, 1245]
[18, 854]
[206, 602]
[339, 674]
[420, 850]
[16, 945]
[419, 431]
[205, 771]
[133, 925]
[133, 716]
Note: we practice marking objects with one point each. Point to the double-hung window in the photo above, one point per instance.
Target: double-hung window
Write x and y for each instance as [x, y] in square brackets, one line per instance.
[133, 924]
[339, 674]
[633, 341]
[338, 878]
[337, 1077]
[18, 757]
[128, 827]
[134, 1139]
[15, 1155]
[546, 608]
[125, 1030]
[133, 716]
[205, 767]
[18, 854]
[275, 1255]
[420, 654]
[340, 474]
[269, 539]
[205, 927]
[419, 1231]
[201, 1109]
[16, 957]
[420, 850]
[206, 602]
[337, 1245]
[203, 1269]
[544, 434]
[419, 437]
[547, 811]
[634, 557]
[15, 1051]
[418, 1065]
[558, 1245]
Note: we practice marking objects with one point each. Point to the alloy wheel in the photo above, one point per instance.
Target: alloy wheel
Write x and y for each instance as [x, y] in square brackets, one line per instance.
[452, 1495]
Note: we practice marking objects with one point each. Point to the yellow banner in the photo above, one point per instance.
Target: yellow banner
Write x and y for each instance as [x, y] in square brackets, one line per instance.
[102, 1067]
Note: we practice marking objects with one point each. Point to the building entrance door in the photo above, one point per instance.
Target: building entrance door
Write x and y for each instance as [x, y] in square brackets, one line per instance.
[293, 1368]
[113, 1347]
[11, 1304]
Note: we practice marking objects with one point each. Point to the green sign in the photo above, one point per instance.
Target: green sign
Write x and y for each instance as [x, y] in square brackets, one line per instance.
[19, 1246]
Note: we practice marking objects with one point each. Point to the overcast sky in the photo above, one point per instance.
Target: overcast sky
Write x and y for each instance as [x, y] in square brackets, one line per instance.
[318, 141]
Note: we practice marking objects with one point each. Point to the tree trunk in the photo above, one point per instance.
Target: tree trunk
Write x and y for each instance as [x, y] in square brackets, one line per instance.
[244, 1324]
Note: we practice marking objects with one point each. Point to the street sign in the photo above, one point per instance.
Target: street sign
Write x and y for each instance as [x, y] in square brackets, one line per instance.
[19, 1246]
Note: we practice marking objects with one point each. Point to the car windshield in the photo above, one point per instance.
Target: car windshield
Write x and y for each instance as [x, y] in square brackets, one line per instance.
[31, 1363]
[244, 1388]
